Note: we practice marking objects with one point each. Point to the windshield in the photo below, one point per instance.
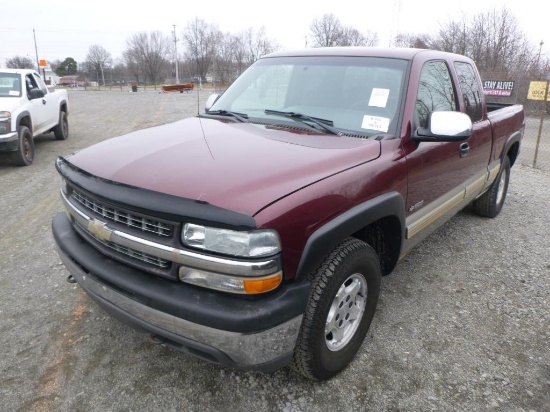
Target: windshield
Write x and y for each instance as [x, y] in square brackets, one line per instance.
[10, 85]
[353, 94]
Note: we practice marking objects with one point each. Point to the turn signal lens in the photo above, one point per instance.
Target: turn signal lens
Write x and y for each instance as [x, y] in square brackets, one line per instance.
[231, 284]
[254, 286]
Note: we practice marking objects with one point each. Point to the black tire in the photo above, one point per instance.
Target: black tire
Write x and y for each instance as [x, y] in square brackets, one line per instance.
[61, 131]
[25, 152]
[319, 355]
[490, 203]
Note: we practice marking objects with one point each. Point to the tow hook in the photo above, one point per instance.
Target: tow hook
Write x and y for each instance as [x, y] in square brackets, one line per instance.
[71, 279]
[156, 339]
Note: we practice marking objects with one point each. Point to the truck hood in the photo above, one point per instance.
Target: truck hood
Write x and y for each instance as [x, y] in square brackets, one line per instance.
[237, 166]
[9, 104]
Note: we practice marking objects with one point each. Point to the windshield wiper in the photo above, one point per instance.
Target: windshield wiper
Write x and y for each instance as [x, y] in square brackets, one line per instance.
[241, 117]
[325, 124]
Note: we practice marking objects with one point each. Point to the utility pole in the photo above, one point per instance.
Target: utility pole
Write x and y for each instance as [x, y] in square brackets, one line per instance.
[36, 51]
[538, 58]
[396, 16]
[176, 55]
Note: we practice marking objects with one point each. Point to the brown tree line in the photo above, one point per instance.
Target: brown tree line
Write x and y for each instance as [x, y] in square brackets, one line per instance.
[149, 58]
[328, 31]
[493, 39]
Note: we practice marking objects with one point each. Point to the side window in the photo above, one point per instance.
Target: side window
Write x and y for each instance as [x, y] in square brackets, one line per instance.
[30, 82]
[40, 83]
[470, 90]
[435, 91]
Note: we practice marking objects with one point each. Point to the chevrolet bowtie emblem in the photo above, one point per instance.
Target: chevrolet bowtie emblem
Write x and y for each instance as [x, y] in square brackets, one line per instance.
[99, 230]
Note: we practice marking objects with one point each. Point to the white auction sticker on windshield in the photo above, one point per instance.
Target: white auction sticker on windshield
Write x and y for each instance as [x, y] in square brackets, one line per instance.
[379, 97]
[381, 124]
[13, 93]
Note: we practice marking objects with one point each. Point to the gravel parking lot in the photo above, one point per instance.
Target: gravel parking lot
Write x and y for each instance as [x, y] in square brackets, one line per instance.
[462, 323]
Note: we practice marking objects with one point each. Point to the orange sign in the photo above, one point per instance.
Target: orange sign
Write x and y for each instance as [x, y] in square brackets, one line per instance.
[43, 63]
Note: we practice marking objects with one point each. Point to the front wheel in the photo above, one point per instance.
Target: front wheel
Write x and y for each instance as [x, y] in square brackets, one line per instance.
[24, 155]
[490, 203]
[341, 304]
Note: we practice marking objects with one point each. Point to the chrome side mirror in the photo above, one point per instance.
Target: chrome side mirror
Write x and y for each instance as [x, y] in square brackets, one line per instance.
[445, 127]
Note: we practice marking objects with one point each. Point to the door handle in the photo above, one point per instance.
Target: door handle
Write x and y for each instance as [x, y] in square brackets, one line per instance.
[464, 149]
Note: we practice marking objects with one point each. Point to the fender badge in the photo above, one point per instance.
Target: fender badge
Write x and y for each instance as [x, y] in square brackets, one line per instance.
[99, 230]
[416, 206]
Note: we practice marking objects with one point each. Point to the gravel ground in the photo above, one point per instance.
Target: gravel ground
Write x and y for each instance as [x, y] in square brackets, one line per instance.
[462, 323]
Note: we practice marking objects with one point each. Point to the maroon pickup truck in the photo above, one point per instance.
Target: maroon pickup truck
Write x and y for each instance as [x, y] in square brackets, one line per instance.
[255, 235]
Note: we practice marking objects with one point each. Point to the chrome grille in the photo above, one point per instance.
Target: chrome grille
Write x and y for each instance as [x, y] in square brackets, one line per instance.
[123, 217]
[152, 260]
[143, 257]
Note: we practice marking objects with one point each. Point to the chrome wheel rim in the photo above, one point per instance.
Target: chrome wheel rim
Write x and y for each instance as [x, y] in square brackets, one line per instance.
[346, 311]
[501, 187]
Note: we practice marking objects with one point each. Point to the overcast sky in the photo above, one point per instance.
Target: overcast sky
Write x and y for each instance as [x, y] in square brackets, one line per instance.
[68, 28]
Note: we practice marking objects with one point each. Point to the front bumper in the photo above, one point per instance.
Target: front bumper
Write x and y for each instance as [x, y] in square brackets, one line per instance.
[221, 328]
[9, 142]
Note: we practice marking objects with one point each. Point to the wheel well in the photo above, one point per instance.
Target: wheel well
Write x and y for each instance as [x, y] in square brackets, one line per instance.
[25, 121]
[384, 236]
[513, 152]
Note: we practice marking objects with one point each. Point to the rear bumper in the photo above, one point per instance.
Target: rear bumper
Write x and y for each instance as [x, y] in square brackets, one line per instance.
[227, 330]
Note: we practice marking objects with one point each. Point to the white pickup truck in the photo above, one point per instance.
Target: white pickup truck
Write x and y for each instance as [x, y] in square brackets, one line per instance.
[28, 108]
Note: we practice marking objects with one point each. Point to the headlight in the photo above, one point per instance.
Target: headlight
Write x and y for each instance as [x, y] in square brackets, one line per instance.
[255, 243]
[5, 122]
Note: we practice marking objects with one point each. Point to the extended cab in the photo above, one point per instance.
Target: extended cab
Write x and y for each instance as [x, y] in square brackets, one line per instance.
[255, 234]
[28, 108]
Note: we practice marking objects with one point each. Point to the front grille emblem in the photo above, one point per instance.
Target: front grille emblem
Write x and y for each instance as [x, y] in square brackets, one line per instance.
[99, 230]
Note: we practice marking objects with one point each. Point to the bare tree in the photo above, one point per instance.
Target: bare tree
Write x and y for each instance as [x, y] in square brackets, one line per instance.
[148, 54]
[132, 64]
[201, 39]
[20, 62]
[326, 31]
[229, 59]
[492, 39]
[258, 44]
[350, 36]
[417, 41]
[97, 60]
[234, 53]
[240, 53]
[453, 36]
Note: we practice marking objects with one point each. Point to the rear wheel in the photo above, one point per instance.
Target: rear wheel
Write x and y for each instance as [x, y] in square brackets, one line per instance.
[61, 131]
[490, 203]
[25, 152]
[342, 301]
